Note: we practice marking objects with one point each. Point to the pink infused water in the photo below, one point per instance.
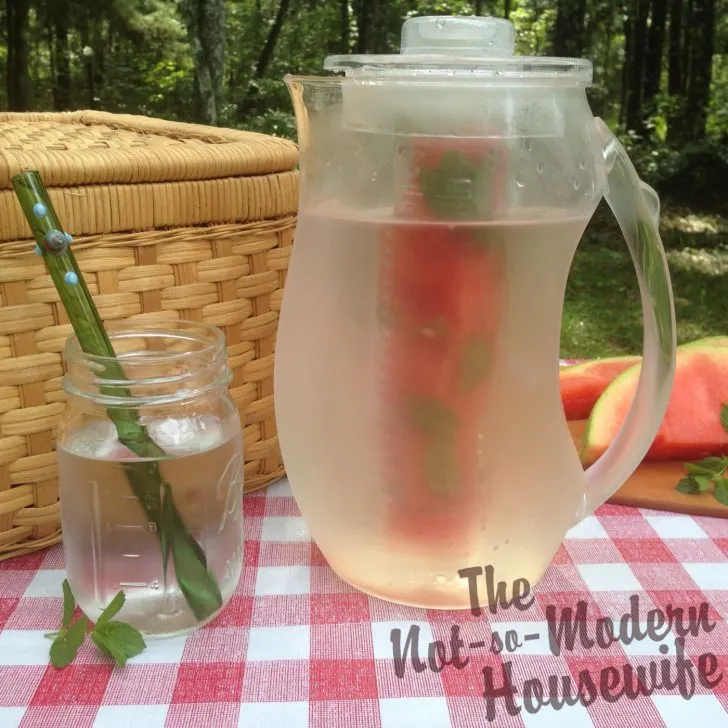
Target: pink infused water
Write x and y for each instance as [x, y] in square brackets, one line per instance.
[378, 529]
[109, 544]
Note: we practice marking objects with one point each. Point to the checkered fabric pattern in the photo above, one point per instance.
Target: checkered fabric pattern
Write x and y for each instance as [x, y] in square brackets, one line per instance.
[298, 648]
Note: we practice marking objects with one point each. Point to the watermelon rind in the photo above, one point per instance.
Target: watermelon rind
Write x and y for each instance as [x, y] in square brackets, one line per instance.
[594, 443]
[585, 366]
[705, 341]
[582, 384]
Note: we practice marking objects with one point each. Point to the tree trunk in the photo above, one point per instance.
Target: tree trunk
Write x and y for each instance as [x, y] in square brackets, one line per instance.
[18, 83]
[51, 56]
[363, 29]
[701, 66]
[507, 9]
[675, 72]
[381, 27]
[687, 42]
[372, 19]
[608, 32]
[633, 116]
[266, 55]
[249, 101]
[98, 44]
[628, 60]
[478, 7]
[344, 20]
[607, 101]
[62, 88]
[87, 53]
[569, 28]
[205, 21]
[655, 46]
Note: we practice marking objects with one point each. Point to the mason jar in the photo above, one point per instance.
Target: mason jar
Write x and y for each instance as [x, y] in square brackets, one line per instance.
[150, 469]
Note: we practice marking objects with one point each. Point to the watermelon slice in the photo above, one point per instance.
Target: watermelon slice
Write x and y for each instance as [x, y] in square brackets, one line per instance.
[582, 384]
[440, 294]
[691, 428]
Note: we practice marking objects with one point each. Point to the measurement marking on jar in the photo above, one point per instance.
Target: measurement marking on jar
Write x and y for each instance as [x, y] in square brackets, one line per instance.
[97, 548]
[140, 584]
[229, 488]
[130, 526]
[131, 556]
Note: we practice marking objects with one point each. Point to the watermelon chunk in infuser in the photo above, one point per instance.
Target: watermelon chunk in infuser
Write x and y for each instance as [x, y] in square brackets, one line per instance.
[692, 427]
[441, 292]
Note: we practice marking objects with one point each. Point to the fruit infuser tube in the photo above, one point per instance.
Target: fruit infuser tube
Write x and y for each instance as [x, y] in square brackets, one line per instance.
[441, 295]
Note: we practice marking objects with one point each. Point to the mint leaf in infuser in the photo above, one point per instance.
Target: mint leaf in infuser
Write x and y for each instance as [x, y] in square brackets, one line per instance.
[432, 417]
[475, 364]
[457, 189]
[441, 467]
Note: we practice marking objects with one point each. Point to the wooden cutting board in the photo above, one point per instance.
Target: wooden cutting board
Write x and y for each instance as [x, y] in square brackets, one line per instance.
[653, 486]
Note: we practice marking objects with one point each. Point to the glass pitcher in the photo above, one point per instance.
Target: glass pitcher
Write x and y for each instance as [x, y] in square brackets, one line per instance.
[443, 193]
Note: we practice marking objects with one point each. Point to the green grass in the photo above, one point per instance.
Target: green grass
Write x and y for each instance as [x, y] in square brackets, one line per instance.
[602, 311]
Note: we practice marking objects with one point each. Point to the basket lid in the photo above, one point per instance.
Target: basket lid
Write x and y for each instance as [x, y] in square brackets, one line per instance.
[90, 147]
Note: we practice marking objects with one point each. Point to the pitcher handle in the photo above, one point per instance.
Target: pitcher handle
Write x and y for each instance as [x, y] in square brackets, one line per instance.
[637, 208]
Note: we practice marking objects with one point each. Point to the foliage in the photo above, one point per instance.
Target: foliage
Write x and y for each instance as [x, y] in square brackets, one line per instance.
[602, 312]
[138, 56]
[144, 58]
[274, 122]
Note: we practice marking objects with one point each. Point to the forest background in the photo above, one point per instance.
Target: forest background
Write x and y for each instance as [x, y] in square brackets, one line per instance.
[661, 83]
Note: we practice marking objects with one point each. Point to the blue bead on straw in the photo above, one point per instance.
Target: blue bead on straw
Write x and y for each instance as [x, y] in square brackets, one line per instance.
[69, 238]
[38, 251]
[56, 240]
[71, 278]
[40, 210]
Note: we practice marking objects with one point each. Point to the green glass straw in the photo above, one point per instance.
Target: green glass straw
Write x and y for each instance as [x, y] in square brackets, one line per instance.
[196, 581]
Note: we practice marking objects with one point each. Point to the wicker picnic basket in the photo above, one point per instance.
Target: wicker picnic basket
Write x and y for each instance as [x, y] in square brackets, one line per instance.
[168, 219]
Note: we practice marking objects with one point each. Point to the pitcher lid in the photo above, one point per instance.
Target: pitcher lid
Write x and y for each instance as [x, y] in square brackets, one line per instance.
[480, 48]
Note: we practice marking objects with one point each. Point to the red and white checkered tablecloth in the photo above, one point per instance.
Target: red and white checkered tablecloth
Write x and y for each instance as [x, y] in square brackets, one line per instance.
[298, 648]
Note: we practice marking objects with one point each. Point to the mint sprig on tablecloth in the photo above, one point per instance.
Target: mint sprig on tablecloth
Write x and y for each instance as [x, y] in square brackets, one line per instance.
[118, 640]
[709, 472]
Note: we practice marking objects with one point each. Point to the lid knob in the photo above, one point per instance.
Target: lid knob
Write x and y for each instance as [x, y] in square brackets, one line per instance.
[458, 35]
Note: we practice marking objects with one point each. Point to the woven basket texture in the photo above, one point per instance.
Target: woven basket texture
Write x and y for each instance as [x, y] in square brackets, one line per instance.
[169, 220]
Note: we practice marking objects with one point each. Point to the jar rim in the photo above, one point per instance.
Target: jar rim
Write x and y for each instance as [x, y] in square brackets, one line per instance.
[137, 328]
[149, 374]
